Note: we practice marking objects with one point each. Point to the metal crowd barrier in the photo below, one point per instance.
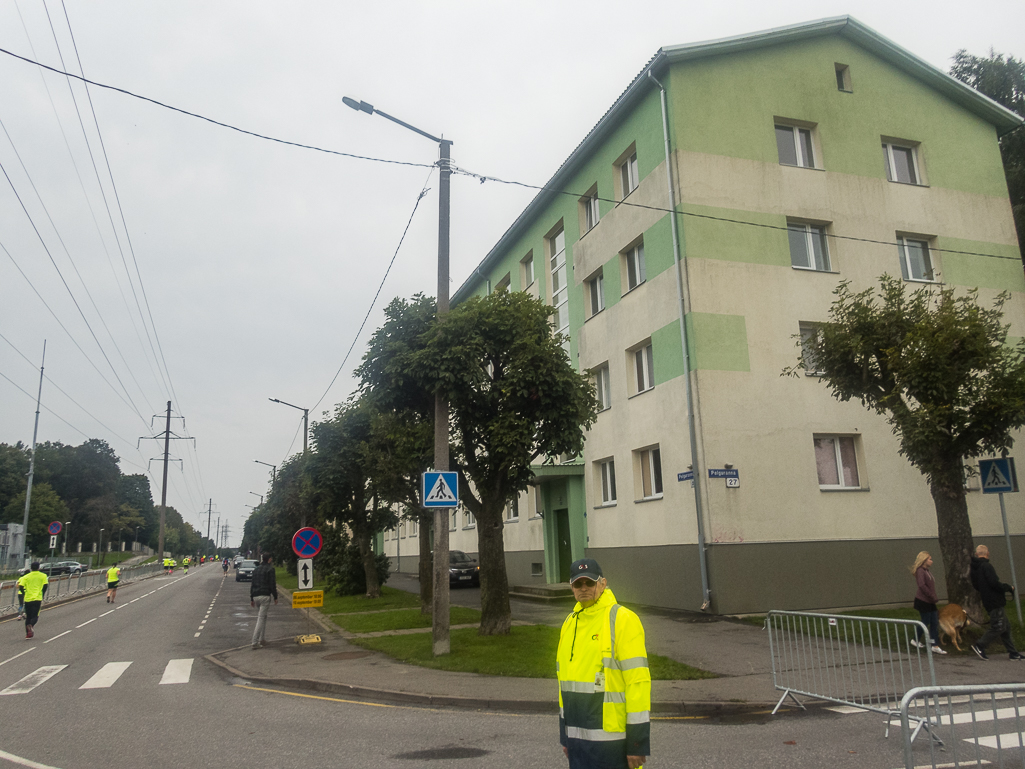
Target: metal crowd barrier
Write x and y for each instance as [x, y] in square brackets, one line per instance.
[73, 584]
[968, 725]
[860, 662]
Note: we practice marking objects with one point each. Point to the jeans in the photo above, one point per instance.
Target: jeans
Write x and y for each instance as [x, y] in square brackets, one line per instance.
[931, 619]
[262, 606]
[1000, 628]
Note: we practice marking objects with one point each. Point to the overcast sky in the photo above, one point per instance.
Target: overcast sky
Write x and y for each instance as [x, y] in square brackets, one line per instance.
[259, 260]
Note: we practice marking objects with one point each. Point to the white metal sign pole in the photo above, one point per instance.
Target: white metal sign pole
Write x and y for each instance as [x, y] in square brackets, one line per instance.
[1010, 557]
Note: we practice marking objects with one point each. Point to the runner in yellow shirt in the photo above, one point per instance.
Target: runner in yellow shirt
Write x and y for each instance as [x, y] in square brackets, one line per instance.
[32, 587]
[113, 577]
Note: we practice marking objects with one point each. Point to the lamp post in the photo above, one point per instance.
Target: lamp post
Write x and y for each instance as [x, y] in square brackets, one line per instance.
[440, 628]
[306, 422]
[100, 546]
[67, 531]
[257, 495]
[273, 471]
[135, 543]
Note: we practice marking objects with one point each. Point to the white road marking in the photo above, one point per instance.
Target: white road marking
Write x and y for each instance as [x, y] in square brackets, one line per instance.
[56, 637]
[176, 672]
[195, 636]
[23, 761]
[1007, 741]
[846, 709]
[18, 655]
[106, 676]
[34, 679]
[986, 715]
[86, 623]
[107, 612]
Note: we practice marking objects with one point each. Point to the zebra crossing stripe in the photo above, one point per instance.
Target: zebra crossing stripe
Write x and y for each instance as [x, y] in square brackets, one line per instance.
[1007, 741]
[32, 680]
[106, 676]
[176, 672]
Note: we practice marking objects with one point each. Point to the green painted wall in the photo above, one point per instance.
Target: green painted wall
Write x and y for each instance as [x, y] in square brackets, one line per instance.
[711, 239]
[717, 342]
[724, 105]
[667, 350]
[1002, 274]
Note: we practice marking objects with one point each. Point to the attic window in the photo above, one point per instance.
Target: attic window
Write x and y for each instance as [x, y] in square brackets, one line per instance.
[843, 78]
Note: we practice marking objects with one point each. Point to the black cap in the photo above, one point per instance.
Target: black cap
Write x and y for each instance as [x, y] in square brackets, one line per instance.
[585, 567]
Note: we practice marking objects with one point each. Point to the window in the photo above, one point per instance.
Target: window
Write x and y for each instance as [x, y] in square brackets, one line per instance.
[539, 503]
[650, 473]
[604, 390]
[808, 250]
[836, 461]
[537, 569]
[843, 78]
[589, 205]
[596, 292]
[412, 527]
[915, 262]
[468, 520]
[512, 509]
[644, 367]
[809, 333]
[527, 267]
[901, 163]
[794, 146]
[635, 271]
[560, 284]
[454, 520]
[503, 284]
[628, 177]
[607, 476]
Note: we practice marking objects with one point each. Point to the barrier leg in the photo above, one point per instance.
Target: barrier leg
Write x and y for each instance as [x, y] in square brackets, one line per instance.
[789, 694]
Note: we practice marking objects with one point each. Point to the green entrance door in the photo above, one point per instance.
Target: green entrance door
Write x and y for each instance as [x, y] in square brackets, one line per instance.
[562, 535]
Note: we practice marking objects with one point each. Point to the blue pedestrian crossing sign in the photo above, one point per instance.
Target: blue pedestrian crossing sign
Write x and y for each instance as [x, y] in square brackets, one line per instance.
[441, 489]
[998, 476]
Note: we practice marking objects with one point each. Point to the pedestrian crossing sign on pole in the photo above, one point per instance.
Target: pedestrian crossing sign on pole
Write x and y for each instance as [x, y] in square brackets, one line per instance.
[998, 476]
[441, 490]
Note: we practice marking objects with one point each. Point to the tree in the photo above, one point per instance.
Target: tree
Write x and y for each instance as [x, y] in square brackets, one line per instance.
[44, 508]
[1002, 80]
[403, 426]
[939, 367]
[514, 398]
[13, 472]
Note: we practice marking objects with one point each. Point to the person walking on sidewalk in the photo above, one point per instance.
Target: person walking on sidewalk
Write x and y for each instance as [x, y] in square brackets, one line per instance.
[604, 682]
[264, 585]
[925, 603]
[113, 577]
[992, 591]
[32, 588]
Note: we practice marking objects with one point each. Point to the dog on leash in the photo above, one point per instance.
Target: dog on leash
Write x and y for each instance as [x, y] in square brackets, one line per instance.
[952, 619]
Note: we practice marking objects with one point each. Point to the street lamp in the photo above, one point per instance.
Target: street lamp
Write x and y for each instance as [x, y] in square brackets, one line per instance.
[306, 421]
[440, 631]
[257, 495]
[101, 546]
[135, 544]
[67, 531]
[273, 470]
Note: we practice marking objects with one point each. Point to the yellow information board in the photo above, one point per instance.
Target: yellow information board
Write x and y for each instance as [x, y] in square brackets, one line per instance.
[307, 599]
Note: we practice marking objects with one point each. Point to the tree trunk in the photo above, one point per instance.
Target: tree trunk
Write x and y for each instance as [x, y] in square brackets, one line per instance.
[369, 565]
[955, 535]
[496, 616]
[426, 565]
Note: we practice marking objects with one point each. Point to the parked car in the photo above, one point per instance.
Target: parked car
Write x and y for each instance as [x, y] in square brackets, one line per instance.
[245, 571]
[50, 569]
[462, 569]
[72, 567]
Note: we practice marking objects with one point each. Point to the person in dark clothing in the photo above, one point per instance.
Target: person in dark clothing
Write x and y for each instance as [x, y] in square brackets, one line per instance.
[992, 591]
[263, 586]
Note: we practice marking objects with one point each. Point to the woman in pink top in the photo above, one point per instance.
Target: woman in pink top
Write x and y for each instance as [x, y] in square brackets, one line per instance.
[925, 602]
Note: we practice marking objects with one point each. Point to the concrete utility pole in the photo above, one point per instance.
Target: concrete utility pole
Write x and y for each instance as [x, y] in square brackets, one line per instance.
[32, 463]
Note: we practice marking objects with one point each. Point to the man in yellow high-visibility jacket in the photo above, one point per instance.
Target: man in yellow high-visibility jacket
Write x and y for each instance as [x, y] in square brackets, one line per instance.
[32, 587]
[604, 682]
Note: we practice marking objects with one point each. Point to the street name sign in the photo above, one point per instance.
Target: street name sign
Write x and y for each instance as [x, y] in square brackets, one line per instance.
[441, 489]
[304, 568]
[307, 542]
[998, 476]
[723, 472]
[55, 527]
[308, 600]
[687, 475]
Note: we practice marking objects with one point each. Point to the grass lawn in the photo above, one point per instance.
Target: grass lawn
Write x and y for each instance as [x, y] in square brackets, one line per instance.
[527, 652]
[400, 619]
[344, 604]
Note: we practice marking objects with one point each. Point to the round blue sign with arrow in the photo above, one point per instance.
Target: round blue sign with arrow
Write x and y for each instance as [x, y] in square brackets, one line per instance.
[55, 527]
[307, 542]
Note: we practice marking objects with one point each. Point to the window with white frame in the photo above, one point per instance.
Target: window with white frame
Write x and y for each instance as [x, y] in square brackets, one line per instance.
[649, 466]
[603, 387]
[503, 284]
[527, 270]
[628, 176]
[809, 335]
[453, 520]
[589, 205]
[412, 527]
[636, 272]
[836, 461]
[606, 477]
[915, 260]
[794, 145]
[644, 367]
[512, 509]
[560, 284]
[843, 78]
[539, 503]
[808, 248]
[468, 520]
[901, 161]
[596, 292]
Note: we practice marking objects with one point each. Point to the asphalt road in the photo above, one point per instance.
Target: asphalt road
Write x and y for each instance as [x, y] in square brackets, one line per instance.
[127, 685]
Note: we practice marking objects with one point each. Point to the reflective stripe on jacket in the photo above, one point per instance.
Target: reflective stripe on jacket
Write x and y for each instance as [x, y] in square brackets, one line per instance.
[604, 682]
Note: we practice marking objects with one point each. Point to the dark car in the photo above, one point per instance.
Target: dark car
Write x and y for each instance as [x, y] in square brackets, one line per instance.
[50, 569]
[245, 571]
[71, 567]
[462, 569]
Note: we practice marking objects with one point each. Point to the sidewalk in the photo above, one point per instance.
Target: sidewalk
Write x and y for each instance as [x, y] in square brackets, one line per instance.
[737, 652]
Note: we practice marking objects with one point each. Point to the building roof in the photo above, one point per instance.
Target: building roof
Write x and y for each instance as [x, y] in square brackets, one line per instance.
[846, 26]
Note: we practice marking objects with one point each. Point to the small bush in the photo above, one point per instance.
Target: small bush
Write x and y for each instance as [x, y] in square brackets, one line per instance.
[342, 566]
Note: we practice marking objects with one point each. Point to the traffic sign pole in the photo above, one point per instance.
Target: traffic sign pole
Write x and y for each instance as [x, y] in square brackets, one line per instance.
[1010, 557]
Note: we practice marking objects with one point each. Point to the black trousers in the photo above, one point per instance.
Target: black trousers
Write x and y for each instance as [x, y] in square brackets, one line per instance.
[32, 612]
[999, 627]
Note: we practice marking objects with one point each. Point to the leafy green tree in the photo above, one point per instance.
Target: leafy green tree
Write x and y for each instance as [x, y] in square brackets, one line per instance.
[514, 398]
[938, 366]
[13, 472]
[342, 563]
[403, 425]
[1002, 80]
[44, 508]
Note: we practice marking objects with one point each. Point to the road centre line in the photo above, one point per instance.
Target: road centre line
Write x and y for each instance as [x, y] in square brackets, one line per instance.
[86, 623]
[9, 659]
[107, 612]
[196, 635]
[56, 637]
[23, 761]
